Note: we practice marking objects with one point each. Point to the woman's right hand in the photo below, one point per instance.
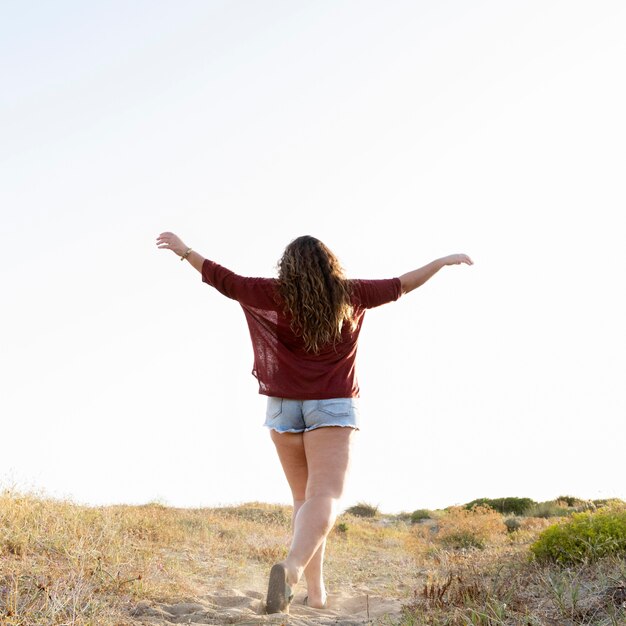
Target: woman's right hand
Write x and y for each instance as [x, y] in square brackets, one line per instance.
[416, 278]
[457, 259]
[170, 241]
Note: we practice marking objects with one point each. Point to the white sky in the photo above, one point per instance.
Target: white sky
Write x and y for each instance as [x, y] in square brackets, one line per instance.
[396, 132]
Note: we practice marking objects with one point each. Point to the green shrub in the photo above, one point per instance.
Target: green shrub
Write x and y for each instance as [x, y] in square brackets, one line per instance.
[362, 509]
[585, 537]
[419, 515]
[516, 506]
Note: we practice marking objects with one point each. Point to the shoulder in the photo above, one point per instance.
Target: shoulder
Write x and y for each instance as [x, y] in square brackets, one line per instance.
[247, 290]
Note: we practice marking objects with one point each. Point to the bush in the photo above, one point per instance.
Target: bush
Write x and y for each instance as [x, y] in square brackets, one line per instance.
[549, 509]
[569, 501]
[419, 515]
[362, 509]
[516, 506]
[577, 504]
[512, 524]
[585, 537]
[610, 502]
[464, 539]
[463, 528]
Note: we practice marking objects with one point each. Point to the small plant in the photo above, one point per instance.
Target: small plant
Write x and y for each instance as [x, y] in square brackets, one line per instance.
[492, 614]
[362, 509]
[565, 591]
[434, 592]
[586, 537]
[420, 515]
[463, 540]
[512, 524]
[342, 528]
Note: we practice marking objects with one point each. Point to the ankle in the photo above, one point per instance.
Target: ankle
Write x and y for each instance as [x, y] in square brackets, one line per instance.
[316, 598]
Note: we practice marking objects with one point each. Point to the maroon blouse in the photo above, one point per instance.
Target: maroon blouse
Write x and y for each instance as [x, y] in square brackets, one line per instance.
[281, 364]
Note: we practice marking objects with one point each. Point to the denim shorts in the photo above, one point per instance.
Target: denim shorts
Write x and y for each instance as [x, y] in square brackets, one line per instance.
[297, 416]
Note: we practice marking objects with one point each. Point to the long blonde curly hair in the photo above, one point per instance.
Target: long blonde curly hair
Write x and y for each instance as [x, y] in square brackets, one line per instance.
[315, 293]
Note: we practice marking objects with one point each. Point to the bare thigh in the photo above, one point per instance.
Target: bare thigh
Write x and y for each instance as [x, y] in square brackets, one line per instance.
[291, 452]
[327, 452]
[316, 462]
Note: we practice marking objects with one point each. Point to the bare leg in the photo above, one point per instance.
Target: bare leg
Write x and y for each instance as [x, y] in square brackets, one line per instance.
[327, 452]
[314, 571]
[291, 452]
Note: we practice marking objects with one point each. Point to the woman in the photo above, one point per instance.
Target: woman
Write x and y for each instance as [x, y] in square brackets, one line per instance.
[304, 327]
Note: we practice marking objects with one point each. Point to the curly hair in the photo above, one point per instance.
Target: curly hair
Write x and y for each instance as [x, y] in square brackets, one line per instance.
[315, 293]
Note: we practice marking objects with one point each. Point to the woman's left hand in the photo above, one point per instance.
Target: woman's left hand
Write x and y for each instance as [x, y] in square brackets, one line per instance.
[170, 241]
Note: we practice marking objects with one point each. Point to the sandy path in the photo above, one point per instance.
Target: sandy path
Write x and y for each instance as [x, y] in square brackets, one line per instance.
[244, 607]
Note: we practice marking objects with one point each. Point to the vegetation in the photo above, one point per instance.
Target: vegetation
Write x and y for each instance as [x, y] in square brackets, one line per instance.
[362, 509]
[515, 506]
[552, 508]
[420, 515]
[470, 528]
[526, 507]
[571, 501]
[61, 563]
[585, 537]
[512, 524]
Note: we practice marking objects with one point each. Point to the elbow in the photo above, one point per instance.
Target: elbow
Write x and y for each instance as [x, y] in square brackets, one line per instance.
[406, 285]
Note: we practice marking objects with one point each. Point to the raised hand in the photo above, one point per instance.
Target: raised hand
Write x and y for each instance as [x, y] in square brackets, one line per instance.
[170, 241]
[457, 259]
[416, 278]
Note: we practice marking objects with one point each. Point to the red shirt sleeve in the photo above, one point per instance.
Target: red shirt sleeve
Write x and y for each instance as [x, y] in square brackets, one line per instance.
[372, 293]
[253, 292]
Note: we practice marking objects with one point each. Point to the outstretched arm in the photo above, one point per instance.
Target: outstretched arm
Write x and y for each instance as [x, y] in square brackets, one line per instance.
[416, 278]
[170, 241]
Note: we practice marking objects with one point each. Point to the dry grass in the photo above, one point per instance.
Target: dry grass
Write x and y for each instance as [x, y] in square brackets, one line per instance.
[66, 564]
[475, 528]
[481, 574]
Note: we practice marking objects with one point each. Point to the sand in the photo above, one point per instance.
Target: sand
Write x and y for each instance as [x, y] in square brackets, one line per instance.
[234, 606]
